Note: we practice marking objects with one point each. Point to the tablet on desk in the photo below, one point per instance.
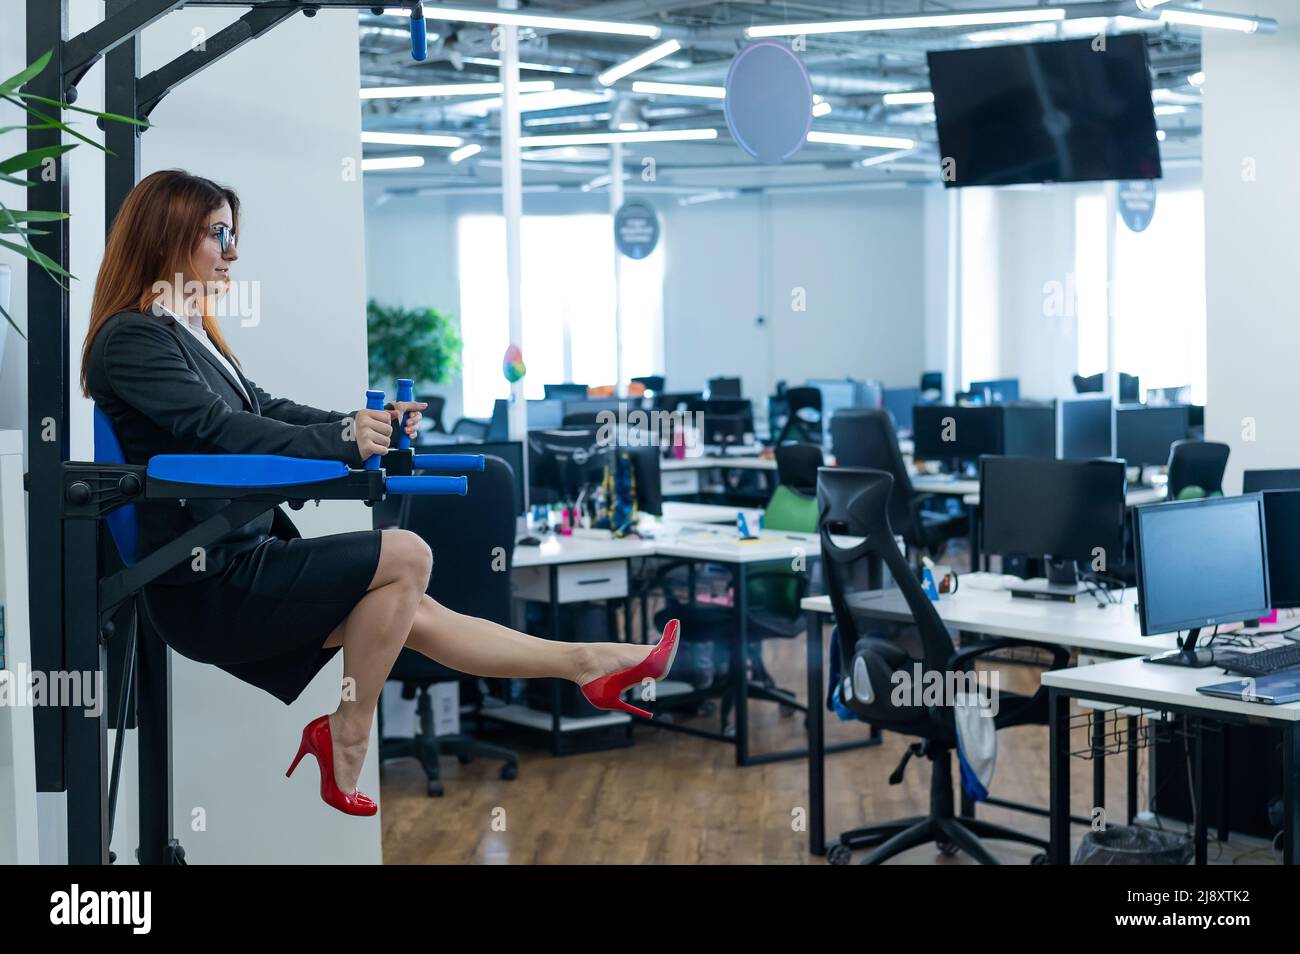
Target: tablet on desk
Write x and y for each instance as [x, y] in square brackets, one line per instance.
[1272, 690]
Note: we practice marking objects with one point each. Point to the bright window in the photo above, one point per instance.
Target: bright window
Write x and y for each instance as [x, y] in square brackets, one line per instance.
[567, 266]
[1089, 280]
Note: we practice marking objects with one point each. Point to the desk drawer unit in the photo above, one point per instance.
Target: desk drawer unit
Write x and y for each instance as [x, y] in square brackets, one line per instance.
[574, 582]
[679, 483]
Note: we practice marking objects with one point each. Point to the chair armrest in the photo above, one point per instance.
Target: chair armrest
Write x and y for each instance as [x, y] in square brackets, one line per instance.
[1060, 655]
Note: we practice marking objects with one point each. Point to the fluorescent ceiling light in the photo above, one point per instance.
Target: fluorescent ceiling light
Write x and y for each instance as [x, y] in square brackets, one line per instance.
[821, 109]
[680, 89]
[918, 22]
[541, 67]
[708, 197]
[1204, 18]
[410, 139]
[854, 139]
[464, 152]
[453, 89]
[596, 139]
[883, 158]
[1197, 78]
[544, 21]
[908, 99]
[642, 59]
[1170, 109]
[379, 164]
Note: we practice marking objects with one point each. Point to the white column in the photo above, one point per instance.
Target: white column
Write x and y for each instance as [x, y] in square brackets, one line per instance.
[512, 201]
[1110, 382]
[952, 366]
[615, 203]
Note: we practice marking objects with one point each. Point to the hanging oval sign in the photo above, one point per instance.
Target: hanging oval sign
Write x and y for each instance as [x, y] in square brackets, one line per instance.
[769, 101]
[636, 229]
[1137, 203]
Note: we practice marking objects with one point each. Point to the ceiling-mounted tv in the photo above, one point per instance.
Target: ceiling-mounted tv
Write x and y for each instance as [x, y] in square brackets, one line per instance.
[1067, 111]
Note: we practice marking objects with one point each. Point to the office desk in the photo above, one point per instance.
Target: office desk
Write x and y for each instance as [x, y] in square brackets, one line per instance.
[1113, 628]
[1132, 682]
[676, 511]
[681, 477]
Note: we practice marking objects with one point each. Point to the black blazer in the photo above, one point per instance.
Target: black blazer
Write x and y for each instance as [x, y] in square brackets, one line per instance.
[166, 394]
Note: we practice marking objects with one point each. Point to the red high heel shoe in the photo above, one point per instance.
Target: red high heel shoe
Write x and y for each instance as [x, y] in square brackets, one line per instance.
[607, 691]
[317, 740]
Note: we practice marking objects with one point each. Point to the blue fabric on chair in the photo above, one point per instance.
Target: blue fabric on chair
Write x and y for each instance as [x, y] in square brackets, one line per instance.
[122, 524]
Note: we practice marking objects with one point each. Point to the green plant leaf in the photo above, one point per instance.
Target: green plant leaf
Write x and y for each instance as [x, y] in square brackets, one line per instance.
[33, 111]
[39, 257]
[5, 129]
[113, 116]
[18, 215]
[32, 158]
[13, 323]
[14, 180]
[18, 79]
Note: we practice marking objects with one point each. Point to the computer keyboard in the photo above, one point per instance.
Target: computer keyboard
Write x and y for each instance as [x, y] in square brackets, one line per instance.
[1263, 663]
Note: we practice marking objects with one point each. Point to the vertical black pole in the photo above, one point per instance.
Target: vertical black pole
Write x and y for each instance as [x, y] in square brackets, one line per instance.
[1058, 845]
[1290, 797]
[816, 736]
[47, 392]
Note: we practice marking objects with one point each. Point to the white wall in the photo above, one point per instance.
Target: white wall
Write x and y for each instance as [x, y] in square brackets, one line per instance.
[1253, 318]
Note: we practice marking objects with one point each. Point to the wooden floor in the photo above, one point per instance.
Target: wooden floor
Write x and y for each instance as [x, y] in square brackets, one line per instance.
[675, 799]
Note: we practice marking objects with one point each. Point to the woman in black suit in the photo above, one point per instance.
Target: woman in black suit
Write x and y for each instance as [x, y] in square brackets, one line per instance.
[264, 604]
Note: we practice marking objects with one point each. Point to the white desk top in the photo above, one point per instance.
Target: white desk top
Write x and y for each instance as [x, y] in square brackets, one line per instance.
[679, 512]
[1148, 683]
[944, 484]
[560, 549]
[728, 463]
[1113, 628]
[722, 545]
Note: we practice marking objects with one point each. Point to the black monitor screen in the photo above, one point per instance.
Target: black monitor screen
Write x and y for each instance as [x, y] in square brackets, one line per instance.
[1086, 428]
[1143, 434]
[1253, 481]
[547, 413]
[948, 432]
[1282, 520]
[1045, 112]
[562, 462]
[1200, 563]
[1071, 510]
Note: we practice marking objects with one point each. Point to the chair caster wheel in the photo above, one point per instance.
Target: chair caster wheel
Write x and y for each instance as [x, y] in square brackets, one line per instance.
[464, 759]
[509, 771]
[947, 849]
[434, 789]
[839, 855]
[1039, 859]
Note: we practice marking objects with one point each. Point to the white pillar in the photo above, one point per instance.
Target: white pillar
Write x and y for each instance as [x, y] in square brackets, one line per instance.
[1110, 381]
[952, 365]
[512, 200]
[615, 203]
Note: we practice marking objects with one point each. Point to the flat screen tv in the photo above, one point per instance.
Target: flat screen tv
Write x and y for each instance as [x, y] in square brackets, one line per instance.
[1045, 112]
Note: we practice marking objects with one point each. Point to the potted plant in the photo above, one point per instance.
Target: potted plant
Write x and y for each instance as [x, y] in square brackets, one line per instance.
[418, 343]
[16, 225]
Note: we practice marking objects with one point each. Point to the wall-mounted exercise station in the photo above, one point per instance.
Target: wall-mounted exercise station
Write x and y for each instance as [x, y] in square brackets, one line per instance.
[85, 614]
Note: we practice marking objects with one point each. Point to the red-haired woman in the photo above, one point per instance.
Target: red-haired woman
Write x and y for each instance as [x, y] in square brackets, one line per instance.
[264, 604]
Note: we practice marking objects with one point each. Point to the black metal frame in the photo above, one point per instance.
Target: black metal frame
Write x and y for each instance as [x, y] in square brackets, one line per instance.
[67, 632]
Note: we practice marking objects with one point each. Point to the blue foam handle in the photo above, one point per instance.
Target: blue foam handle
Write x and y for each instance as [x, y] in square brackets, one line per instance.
[405, 392]
[374, 402]
[243, 470]
[419, 37]
[427, 485]
[448, 462]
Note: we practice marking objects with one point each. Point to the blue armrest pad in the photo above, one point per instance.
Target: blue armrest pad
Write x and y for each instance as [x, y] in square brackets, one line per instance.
[243, 470]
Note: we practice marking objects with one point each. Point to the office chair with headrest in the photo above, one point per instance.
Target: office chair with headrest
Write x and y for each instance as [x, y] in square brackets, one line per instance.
[855, 502]
[1196, 469]
[1129, 386]
[865, 437]
[803, 420]
[468, 539]
[796, 467]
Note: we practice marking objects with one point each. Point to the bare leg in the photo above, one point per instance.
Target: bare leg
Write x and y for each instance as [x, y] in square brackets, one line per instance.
[480, 647]
[371, 636]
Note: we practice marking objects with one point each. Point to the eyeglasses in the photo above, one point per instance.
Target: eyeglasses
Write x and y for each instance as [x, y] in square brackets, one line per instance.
[225, 235]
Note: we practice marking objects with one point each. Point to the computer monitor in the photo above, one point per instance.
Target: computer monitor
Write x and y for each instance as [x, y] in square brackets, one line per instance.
[1068, 511]
[899, 403]
[726, 420]
[588, 413]
[998, 391]
[951, 433]
[1200, 563]
[569, 392]
[561, 462]
[1253, 481]
[1143, 434]
[724, 387]
[870, 394]
[837, 394]
[673, 400]
[512, 452]
[649, 484]
[547, 413]
[498, 428]
[1086, 428]
[1282, 531]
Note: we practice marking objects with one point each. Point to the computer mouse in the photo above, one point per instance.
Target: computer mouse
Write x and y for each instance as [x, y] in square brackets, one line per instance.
[528, 542]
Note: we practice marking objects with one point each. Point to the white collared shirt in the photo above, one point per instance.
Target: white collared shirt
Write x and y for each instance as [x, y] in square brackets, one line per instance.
[194, 325]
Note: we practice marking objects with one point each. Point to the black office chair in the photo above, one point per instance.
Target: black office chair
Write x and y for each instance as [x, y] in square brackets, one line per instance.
[468, 537]
[932, 384]
[796, 467]
[723, 388]
[865, 437]
[433, 412]
[1129, 386]
[856, 502]
[803, 420]
[654, 383]
[1196, 464]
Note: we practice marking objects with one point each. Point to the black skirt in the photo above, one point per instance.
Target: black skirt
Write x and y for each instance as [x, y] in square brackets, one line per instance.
[263, 619]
